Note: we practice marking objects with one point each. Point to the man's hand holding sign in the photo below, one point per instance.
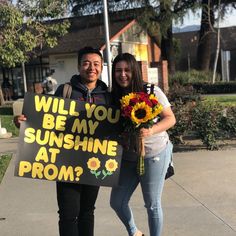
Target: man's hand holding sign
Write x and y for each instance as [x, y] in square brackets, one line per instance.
[70, 141]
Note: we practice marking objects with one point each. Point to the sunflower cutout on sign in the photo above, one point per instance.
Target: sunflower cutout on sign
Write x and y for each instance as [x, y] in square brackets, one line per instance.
[140, 110]
[111, 165]
[94, 164]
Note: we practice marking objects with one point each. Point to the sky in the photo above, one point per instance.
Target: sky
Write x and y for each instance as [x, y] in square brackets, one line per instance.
[230, 20]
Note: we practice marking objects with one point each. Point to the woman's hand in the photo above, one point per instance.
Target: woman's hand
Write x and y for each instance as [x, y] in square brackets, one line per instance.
[18, 120]
[143, 133]
[166, 122]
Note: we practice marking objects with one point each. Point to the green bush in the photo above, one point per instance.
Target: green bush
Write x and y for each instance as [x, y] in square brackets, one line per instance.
[206, 118]
[193, 76]
[208, 121]
[6, 111]
[201, 82]
[7, 122]
[217, 88]
[227, 123]
[183, 94]
[183, 121]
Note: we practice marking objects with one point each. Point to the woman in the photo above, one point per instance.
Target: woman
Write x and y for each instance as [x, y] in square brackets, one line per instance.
[126, 76]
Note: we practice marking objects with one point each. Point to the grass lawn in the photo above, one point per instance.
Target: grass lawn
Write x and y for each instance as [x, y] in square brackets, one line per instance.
[225, 100]
[7, 122]
[4, 162]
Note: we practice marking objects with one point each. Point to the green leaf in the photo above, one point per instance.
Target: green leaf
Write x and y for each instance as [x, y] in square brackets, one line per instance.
[104, 172]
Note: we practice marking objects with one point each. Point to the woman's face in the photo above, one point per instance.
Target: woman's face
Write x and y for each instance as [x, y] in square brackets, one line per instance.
[123, 74]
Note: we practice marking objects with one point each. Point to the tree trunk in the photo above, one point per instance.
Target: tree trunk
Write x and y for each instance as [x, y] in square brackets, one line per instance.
[205, 36]
[167, 50]
[218, 44]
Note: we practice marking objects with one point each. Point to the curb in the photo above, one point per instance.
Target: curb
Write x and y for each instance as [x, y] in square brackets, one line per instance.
[197, 145]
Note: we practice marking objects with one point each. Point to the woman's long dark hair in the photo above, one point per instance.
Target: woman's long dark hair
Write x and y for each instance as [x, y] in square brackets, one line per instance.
[136, 82]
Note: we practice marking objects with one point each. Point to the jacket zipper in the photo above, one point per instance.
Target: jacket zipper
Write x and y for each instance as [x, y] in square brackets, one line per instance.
[89, 97]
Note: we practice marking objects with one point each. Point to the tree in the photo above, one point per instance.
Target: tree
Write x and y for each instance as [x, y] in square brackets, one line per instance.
[164, 13]
[207, 30]
[25, 29]
[171, 11]
[156, 17]
[82, 7]
[205, 35]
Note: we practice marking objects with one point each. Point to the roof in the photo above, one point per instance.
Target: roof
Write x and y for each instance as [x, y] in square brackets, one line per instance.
[88, 31]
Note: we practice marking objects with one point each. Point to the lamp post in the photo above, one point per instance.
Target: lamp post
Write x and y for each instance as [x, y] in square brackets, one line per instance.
[105, 13]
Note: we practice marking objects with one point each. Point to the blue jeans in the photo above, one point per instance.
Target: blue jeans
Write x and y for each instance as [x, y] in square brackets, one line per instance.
[152, 183]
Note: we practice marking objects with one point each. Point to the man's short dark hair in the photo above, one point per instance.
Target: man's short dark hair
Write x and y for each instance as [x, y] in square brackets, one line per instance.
[87, 50]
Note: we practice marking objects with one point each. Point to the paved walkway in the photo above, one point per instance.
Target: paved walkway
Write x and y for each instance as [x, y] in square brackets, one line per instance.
[198, 201]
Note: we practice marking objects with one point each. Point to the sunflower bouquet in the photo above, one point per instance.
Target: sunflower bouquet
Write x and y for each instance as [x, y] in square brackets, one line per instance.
[139, 110]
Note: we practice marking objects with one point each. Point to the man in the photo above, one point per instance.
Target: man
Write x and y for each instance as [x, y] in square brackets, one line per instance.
[49, 84]
[76, 202]
[6, 89]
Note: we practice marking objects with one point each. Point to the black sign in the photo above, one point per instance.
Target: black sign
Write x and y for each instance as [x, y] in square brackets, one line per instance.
[70, 141]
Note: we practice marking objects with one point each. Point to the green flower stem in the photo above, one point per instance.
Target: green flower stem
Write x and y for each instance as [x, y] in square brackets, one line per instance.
[106, 173]
[140, 167]
[94, 172]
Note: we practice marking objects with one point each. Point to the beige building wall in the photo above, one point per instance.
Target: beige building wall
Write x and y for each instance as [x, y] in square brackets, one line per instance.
[65, 65]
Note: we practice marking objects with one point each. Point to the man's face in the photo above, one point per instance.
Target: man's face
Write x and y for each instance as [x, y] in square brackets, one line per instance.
[90, 68]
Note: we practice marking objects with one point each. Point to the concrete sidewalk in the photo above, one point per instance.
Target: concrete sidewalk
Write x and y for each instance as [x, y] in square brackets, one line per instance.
[198, 201]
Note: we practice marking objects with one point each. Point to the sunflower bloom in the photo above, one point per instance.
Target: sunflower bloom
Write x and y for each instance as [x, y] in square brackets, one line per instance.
[93, 163]
[111, 165]
[126, 99]
[157, 110]
[141, 113]
[152, 96]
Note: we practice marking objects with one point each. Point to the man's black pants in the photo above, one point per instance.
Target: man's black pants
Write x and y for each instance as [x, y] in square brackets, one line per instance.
[76, 204]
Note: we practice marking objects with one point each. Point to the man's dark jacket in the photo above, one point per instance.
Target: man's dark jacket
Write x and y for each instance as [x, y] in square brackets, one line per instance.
[99, 95]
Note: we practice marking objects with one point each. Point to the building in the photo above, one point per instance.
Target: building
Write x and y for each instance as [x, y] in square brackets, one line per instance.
[227, 58]
[126, 35]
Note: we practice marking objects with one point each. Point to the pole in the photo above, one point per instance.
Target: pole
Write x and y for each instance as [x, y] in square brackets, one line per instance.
[189, 65]
[24, 76]
[218, 43]
[105, 11]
